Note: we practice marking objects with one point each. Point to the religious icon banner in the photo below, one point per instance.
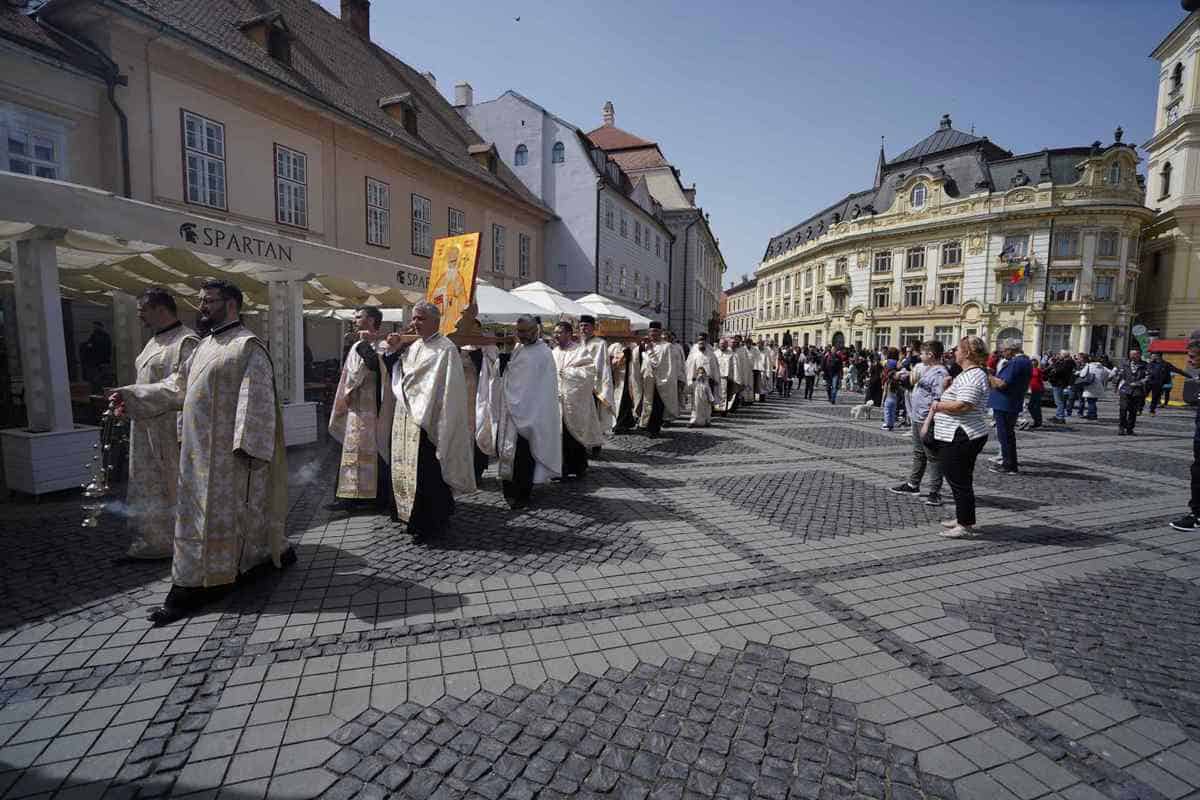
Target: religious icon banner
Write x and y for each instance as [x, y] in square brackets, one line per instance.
[452, 277]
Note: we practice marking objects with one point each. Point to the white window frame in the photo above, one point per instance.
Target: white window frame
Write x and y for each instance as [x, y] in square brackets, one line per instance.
[918, 196]
[945, 335]
[1013, 292]
[1056, 338]
[1066, 244]
[558, 153]
[524, 244]
[877, 291]
[954, 248]
[379, 213]
[914, 259]
[609, 214]
[1057, 290]
[520, 156]
[1113, 174]
[881, 262]
[914, 288]
[422, 225]
[883, 338]
[498, 236]
[15, 122]
[207, 155]
[1104, 280]
[951, 288]
[456, 222]
[291, 187]
[1110, 238]
[1019, 243]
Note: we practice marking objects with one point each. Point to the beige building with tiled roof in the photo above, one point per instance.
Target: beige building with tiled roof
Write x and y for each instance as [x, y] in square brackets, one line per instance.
[281, 115]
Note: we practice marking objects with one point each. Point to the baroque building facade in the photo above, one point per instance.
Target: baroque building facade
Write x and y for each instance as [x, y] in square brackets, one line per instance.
[1169, 298]
[958, 236]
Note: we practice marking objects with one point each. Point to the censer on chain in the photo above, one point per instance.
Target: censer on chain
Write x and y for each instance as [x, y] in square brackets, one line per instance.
[98, 490]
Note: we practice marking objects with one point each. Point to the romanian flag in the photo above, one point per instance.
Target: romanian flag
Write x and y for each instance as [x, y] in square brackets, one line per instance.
[1019, 275]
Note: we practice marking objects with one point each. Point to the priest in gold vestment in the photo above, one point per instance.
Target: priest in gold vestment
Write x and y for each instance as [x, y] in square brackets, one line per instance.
[624, 360]
[232, 496]
[576, 397]
[432, 460]
[154, 441]
[361, 420]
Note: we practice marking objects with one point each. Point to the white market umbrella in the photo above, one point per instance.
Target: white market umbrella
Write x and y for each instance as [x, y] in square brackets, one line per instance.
[497, 306]
[602, 306]
[347, 314]
[550, 299]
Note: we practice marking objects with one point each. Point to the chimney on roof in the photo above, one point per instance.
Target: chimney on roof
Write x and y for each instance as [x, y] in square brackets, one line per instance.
[356, 14]
[429, 76]
[609, 116]
[464, 95]
[945, 124]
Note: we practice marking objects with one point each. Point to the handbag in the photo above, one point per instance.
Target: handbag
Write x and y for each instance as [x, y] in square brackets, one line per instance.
[927, 438]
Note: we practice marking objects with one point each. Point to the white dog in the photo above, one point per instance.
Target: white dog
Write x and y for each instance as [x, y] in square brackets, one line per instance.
[865, 408]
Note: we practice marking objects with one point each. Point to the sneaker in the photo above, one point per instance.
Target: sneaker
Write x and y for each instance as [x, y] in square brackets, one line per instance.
[1186, 523]
[904, 488]
[996, 460]
[933, 499]
[1000, 469]
[949, 523]
[959, 532]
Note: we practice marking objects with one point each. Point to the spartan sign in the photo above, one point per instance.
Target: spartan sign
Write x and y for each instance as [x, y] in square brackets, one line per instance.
[188, 232]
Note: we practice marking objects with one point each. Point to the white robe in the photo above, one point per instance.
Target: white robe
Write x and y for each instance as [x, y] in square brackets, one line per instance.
[431, 396]
[154, 450]
[529, 407]
[725, 360]
[232, 504]
[487, 400]
[576, 392]
[606, 411]
[615, 354]
[363, 427]
[702, 367]
[661, 372]
[745, 367]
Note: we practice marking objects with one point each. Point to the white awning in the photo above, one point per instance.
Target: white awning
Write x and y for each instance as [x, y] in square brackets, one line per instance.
[602, 306]
[550, 299]
[497, 306]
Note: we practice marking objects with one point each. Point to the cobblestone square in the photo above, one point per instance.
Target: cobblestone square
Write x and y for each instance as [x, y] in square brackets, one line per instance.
[740, 611]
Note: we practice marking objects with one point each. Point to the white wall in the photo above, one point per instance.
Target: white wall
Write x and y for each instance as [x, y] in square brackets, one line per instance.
[623, 251]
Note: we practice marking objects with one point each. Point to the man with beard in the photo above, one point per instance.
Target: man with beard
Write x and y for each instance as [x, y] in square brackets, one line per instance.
[576, 396]
[702, 373]
[154, 441]
[232, 501]
[361, 420]
[660, 375]
[626, 365]
[432, 459]
[529, 427]
[597, 349]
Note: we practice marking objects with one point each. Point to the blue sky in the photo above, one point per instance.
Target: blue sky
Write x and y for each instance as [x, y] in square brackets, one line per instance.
[775, 109]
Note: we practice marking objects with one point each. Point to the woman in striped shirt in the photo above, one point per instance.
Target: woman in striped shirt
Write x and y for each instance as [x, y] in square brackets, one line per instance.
[960, 427]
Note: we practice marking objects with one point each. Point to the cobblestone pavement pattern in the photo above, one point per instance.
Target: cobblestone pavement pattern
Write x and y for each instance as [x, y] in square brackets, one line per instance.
[742, 611]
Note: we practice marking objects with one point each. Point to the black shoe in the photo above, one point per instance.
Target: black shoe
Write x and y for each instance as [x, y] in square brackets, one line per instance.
[933, 499]
[516, 504]
[126, 560]
[1121, 432]
[338, 505]
[1186, 523]
[905, 488]
[596, 451]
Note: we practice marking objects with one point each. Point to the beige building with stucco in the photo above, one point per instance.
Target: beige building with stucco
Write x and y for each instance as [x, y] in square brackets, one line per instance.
[932, 248]
[290, 120]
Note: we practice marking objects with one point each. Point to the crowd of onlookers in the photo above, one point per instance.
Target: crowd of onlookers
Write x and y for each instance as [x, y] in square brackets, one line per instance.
[949, 402]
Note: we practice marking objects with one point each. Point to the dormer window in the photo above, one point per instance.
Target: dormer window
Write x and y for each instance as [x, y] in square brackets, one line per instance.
[1177, 78]
[279, 44]
[1113, 178]
[271, 33]
[402, 108]
[917, 196]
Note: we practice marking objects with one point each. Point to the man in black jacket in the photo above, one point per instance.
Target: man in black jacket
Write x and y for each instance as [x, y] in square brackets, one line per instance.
[1159, 376]
[1060, 376]
[1132, 377]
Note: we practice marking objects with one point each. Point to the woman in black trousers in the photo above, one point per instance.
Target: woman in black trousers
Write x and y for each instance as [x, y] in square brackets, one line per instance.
[960, 430]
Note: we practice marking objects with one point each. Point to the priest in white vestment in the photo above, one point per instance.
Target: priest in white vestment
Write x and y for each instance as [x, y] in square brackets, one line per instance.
[361, 419]
[661, 373]
[745, 368]
[680, 356]
[597, 348]
[576, 396]
[529, 422]
[154, 441]
[625, 362]
[727, 389]
[432, 461]
[702, 374]
[768, 359]
[232, 496]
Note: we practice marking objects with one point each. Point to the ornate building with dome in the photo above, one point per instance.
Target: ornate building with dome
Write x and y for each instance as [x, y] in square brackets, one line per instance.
[959, 236]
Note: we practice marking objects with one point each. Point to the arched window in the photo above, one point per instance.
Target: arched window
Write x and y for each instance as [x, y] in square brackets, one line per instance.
[1114, 173]
[1177, 78]
[521, 157]
[558, 154]
[917, 197]
[1166, 180]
